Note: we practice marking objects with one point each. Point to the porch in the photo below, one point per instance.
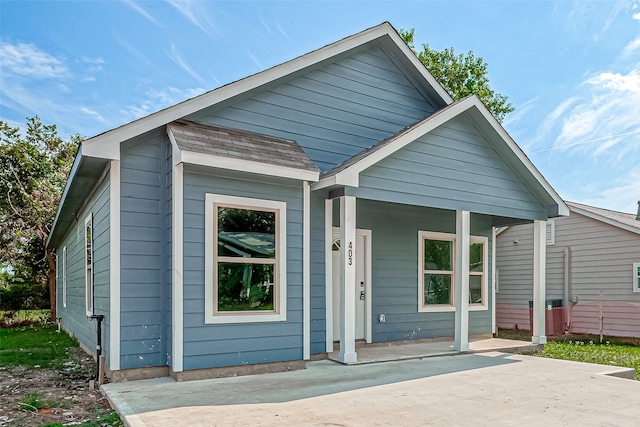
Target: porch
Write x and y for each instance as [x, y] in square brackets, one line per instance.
[420, 349]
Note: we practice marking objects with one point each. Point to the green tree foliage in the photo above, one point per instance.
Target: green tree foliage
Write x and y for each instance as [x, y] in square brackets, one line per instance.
[461, 75]
[34, 166]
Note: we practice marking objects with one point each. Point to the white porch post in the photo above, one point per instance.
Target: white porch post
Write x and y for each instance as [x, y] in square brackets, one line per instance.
[347, 352]
[539, 272]
[461, 291]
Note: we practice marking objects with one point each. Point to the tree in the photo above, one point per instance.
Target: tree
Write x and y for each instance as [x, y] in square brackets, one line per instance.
[33, 171]
[460, 75]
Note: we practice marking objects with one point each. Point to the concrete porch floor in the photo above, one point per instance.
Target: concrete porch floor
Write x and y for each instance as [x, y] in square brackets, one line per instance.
[387, 352]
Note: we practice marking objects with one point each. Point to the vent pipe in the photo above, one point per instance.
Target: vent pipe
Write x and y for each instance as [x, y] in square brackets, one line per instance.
[638, 214]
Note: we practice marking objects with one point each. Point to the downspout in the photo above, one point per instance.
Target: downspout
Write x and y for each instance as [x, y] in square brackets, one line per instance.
[99, 318]
[567, 289]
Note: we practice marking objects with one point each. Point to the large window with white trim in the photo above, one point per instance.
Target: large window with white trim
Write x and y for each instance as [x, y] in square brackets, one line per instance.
[88, 252]
[436, 272]
[247, 242]
[636, 277]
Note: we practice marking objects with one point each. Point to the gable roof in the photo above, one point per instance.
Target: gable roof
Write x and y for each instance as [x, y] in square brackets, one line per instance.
[622, 220]
[347, 173]
[224, 148]
[106, 145]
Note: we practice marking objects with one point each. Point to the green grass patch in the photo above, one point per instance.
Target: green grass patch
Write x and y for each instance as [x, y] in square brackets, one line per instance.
[11, 318]
[607, 353]
[112, 420]
[35, 346]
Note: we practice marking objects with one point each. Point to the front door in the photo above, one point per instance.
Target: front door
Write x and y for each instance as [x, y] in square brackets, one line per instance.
[361, 285]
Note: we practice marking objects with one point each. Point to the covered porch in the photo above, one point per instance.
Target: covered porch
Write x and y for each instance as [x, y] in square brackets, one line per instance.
[421, 349]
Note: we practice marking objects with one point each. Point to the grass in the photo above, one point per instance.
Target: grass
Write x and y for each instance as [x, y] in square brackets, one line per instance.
[622, 352]
[35, 346]
[591, 351]
[12, 319]
[111, 420]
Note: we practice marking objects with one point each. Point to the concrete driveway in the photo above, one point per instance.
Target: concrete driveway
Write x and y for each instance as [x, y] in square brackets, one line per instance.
[494, 388]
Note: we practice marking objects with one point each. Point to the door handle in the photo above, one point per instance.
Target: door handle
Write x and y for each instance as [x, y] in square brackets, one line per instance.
[362, 295]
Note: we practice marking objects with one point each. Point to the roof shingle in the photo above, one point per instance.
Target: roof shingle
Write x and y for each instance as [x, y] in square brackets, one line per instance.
[239, 144]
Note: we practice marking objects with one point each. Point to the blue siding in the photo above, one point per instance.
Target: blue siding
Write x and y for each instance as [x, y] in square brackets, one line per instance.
[394, 270]
[452, 167]
[334, 111]
[208, 345]
[143, 251]
[74, 316]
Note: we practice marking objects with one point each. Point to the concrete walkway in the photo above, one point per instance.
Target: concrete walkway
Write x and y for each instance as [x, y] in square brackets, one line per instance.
[492, 388]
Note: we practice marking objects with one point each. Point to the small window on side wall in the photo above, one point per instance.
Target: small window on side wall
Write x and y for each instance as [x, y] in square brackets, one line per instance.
[88, 252]
[246, 243]
[636, 277]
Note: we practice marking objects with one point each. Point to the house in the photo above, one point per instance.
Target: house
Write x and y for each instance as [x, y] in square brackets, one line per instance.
[593, 270]
[342, 195]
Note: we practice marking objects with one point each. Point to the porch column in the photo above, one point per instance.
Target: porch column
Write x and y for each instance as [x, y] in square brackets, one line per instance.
[461, 291]
[539, 272]
[347, 352]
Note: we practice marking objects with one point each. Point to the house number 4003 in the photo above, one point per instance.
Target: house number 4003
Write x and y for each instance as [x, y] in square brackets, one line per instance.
[350, 253]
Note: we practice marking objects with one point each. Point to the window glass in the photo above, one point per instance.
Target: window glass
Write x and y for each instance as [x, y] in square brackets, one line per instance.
[475, 289]
[438, 255]
[245, 287]
[246, 233]
[437, 289]
[476, 257]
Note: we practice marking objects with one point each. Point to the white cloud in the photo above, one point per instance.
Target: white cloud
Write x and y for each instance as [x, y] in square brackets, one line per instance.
[195, 14]
[159, 99]
[636, 16]
[92, 113]
[175, 56]
[135, 6]
[631, 47]
[24, 59]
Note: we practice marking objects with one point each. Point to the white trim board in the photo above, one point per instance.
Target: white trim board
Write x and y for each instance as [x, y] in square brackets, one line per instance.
[114, 266]
[177, 293]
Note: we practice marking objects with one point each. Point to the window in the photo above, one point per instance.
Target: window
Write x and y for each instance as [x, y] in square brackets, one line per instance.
[88, 251]
[437, 272]
[63, 274]
[246, 242]
[636, 277]
[478, 272]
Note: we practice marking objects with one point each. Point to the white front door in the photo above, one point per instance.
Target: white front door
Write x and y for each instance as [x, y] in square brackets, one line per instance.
[361, 286]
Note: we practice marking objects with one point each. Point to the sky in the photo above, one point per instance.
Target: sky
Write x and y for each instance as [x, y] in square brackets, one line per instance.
[571, 69]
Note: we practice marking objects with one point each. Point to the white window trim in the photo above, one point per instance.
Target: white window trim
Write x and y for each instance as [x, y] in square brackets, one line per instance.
[636, 277]
[435, 308]
[280, 315]
[88, 277]
[431, 308]
[63, 276]
[485, 287]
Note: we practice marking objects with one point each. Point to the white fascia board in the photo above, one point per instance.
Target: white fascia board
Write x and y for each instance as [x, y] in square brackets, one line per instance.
[563, 209]
[606, 220]
[107, 145]
[201, 159]
[114, 265]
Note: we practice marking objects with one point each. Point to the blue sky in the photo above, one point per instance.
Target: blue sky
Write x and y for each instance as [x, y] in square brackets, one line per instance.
[571, 68]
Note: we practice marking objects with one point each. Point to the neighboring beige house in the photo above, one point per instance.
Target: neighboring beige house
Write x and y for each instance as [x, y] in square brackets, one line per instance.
[593, 267]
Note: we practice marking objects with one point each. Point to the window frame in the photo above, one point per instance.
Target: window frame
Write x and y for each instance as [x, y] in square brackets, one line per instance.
[434, 308]
[432, 235]
[279, 313]
[88, 266]
[485, 264]
[636, 277]
[63, 276]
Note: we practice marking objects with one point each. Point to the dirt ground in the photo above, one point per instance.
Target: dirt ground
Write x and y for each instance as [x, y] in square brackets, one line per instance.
[63, 396]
